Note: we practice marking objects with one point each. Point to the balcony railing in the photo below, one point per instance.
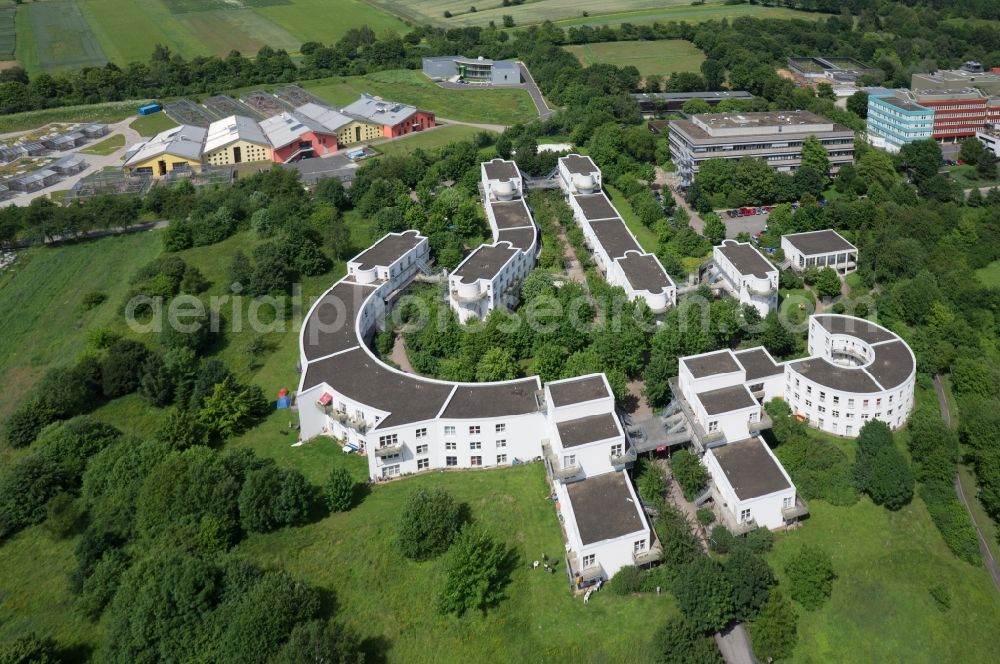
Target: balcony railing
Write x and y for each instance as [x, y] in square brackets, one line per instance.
[743, 527]
[626, 457]
[764, 422]
[796, 511]
[557, 469]
[591, 573]
[647, 556]
[357, 423]
[389, 450]
[468, 298]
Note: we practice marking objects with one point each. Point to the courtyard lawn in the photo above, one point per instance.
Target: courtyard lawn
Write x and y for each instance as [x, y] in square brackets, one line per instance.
[427, 140]
[796, 305]
[645, 236]
[659, 58]
[493, 106]
[105, 147]
[965, 176]
[990, 275]
[151, 125]
[390, 600]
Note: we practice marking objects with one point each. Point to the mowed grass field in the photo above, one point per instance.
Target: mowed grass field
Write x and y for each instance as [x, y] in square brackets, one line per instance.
[489, 106]
[427, 140]
[63, 34]
[651, 58]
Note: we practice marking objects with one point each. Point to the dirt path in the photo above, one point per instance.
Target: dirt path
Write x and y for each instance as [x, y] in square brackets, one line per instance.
[573, 267]
[399, 355]
[670, 184]
[991, 563]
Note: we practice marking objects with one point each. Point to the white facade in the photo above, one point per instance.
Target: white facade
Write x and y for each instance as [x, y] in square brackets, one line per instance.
[764, 496]
[746, 275]
[819, 249]
[990, 140]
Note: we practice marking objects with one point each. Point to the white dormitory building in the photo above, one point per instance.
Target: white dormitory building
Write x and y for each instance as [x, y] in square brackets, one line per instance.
[856, 371]
[491, 275]
[616, 251]
[745, 274]
[819, 249]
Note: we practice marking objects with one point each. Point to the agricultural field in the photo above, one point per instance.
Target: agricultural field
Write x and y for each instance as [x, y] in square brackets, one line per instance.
[652, 58]
[8, 15]
[688, 13]
[411, 87]
[73, 33]
[112, 111]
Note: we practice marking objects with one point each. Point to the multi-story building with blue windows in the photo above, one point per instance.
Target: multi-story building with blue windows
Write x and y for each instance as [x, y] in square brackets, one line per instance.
[894, 120]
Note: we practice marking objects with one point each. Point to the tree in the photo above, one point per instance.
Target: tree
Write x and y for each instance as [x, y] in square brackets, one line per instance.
[704, 594]
[815, 156]
[970, 150]
[775, 630]
[986, 166]
[751, 579]
[26, 487]
[272, 498]
[652, 484]
[232, 408]
[496, 364]
[778, 340]
[121, 370]
[476, 573]
[30, 649]
[680, 642]
[181, 429]
[810, 577]
[339, 490]
[320, 642]
[331, 190]
[714, 72]
[858, 104]
[427, 523]
[880, 470]
[922, 159]
[715, 229]
[696, 106]
[827, 283]
[689, 473]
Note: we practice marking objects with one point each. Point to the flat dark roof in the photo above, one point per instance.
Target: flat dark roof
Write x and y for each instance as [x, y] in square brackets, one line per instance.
[388, 250]
[485, 262]
[596, 206]
[758, 363]
[855, 327]
[614, 237]
[893, 364]
[330, 328]
[750, 470]
[511, 214]
[578, 164]
[489, 400]
[824, 372]
[720, 95]
[645, 272]
[519, 238]
[726, 399]
[500, 169]
[588, 388]
[357, 376]
[604, 508]
[745, 258]
[588, 429]
[719, 362]
[819, 242]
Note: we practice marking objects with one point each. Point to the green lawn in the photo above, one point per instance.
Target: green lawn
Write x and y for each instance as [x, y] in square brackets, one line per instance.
[715, 11]
[660, 58]
[151, 125]
[965, 176]
[427, 140]
[491, 106]
[385, 596]
[796, 305]
[646, 237]
[109, 112]
[990, 275]
[326, 21]
[105, 147]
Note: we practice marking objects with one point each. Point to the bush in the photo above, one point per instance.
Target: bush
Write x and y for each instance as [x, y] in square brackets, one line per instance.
[705, 516]
[704, 594]
[751, 579]
[30, 649]
[63, 515]
[721, 540]
[810, 577]
[680, 642]
[121, 371]
[318, 641]
[26, 488]
[775, 630]
[759, 540]
[272, 498]
[942, 596]
[628, 580]
[476, 573]
[680, 544]
[652, 484]
[100, 586]
[427, 523]
[952, 520]
[338, 492]
[93, 299]
[880, 470]
[689, 473]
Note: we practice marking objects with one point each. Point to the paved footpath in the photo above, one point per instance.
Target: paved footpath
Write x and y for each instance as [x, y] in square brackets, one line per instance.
[991, 563]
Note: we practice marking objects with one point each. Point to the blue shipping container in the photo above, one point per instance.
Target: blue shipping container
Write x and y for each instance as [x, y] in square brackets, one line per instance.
[149, 109]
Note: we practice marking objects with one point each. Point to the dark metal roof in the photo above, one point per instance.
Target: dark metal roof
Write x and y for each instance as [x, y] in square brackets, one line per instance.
[614, 236]
[579, 164]
[511, 214]
[388, 250]
[588, 429]
[745, 258]
[493, 400]
[604, 508]
[485, 262]
[893, 364]
[719, 362]
[726, 399]
[644, 272]
[596, 206]
[519, 238]
[330, 328]
[855, 327]
[500, 169]
[749, 469]
[758, 363]
[819, 242]
[588, 388]
[825, 373]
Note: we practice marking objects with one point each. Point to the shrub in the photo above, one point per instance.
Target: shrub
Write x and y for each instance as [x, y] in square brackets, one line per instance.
[721, 540]
[121, 371]
[272, 498]
[680, 544]
[93, 299]
[775, 630]
[318, 641]
[705, 516]
[427, 523]
[339, 490]
[759, 540]
[476, 575]
[880, 470]
[678, 641]
[99, 588]
[30, 649]
[652, 484]
[751, 579]
[63, 515]
[26, 488]
[628, 580]
[952, 520]
[689, 473]
[942, 596]
[704, 594]
[810, 577]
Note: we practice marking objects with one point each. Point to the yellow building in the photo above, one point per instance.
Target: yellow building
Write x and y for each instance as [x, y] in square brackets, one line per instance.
[234, 140]
[173, 149]
[349, 129]
[358, 131]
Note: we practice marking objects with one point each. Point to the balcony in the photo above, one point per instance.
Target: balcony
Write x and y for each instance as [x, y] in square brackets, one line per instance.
[557, 469]
[389, 450]
[468, 299]
[357, 423]
[647, 556]
[591, 573]
[765, 422]
[626, 457]
[796, 511]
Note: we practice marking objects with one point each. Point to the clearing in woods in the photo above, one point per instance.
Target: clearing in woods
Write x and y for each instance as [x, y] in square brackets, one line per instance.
[651, 58]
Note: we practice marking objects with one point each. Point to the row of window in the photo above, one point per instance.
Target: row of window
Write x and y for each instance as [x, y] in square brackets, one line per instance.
[836, 398]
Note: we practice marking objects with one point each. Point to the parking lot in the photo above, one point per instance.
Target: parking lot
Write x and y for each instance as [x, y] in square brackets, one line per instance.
[751, 224]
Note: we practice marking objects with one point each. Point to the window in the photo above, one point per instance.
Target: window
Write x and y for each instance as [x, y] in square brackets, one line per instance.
[502, 443]
[639, 545]
[476, 445]
[836, 413]
[422, 449]
[501, 458]
[809, 403]
[421, 433]
[787, 501]
[757, 387]
[878, 416]
[451, 461]
[617, 449]
[501, 427]
[713, 426]
[451, 445]
[849, 416]
[822, 409]
[865, 404]
[850, 403]
[809, 389]
[822, 396]
[753, 417]
[449, 431]
[744, 515]
[476, 461]
[474, 430]
[589, 560]
[385, 441]
[390, 471]
[878, 402]
[569, 460]
[849, 430]
[423, 464]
